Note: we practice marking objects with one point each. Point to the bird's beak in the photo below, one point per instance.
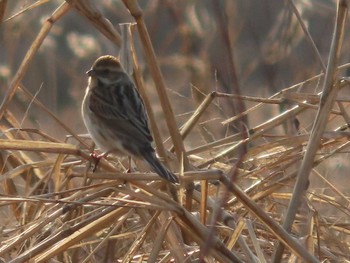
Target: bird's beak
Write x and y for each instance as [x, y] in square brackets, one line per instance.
[91, 73]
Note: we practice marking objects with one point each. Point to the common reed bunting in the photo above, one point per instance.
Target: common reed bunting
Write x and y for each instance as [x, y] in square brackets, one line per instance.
[115, 116]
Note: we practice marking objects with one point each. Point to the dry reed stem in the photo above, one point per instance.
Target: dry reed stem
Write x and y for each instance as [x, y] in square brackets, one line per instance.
[255, 132]
[159, 240]
[278, 231]
[188, 126]
[203, 202]
[52, 115]
[307, 35]
[112, 232]
[140, 239]
[37, 146]
[152, 120]
[56, 15]
[173, 237]
[255, 242]
[79, 235]
[63, 233]
[199, 238]
[153, 65]
[330, 89]
[88, 10]
[126, 49]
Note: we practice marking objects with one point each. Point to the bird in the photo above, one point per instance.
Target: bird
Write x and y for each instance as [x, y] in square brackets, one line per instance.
[115, 116]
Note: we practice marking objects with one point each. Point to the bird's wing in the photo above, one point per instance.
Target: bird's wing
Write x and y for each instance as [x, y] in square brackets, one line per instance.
[121, 107]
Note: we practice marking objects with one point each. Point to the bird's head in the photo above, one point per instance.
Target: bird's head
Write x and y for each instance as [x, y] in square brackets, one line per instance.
[105, 69]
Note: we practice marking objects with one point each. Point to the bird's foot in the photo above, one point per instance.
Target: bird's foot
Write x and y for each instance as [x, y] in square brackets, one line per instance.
[97, 158]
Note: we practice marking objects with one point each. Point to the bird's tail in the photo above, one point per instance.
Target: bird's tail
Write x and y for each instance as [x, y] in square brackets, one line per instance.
[159, 168]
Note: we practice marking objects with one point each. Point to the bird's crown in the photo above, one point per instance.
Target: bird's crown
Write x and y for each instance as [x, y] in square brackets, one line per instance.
[106, 62]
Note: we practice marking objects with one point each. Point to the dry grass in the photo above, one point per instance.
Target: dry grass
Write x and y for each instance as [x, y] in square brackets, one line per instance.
[244, 164]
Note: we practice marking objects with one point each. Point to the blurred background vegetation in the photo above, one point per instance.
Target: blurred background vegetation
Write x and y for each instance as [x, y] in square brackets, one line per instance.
[269, 51]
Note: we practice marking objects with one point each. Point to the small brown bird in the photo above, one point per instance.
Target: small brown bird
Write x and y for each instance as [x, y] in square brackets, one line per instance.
[115, 116]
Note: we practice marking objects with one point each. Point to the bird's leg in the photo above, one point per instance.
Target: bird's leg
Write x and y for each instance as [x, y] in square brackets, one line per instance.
[97, 158]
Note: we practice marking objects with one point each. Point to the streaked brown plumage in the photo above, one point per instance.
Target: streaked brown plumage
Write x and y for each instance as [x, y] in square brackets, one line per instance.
[115, 116]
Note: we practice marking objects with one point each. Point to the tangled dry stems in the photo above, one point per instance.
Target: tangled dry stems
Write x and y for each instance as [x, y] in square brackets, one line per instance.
[56, 207]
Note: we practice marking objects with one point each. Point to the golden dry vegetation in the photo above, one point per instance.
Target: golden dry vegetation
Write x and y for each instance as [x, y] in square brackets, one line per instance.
[248, 103]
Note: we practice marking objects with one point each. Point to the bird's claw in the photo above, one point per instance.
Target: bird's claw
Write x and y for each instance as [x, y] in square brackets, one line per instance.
[97, 158]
